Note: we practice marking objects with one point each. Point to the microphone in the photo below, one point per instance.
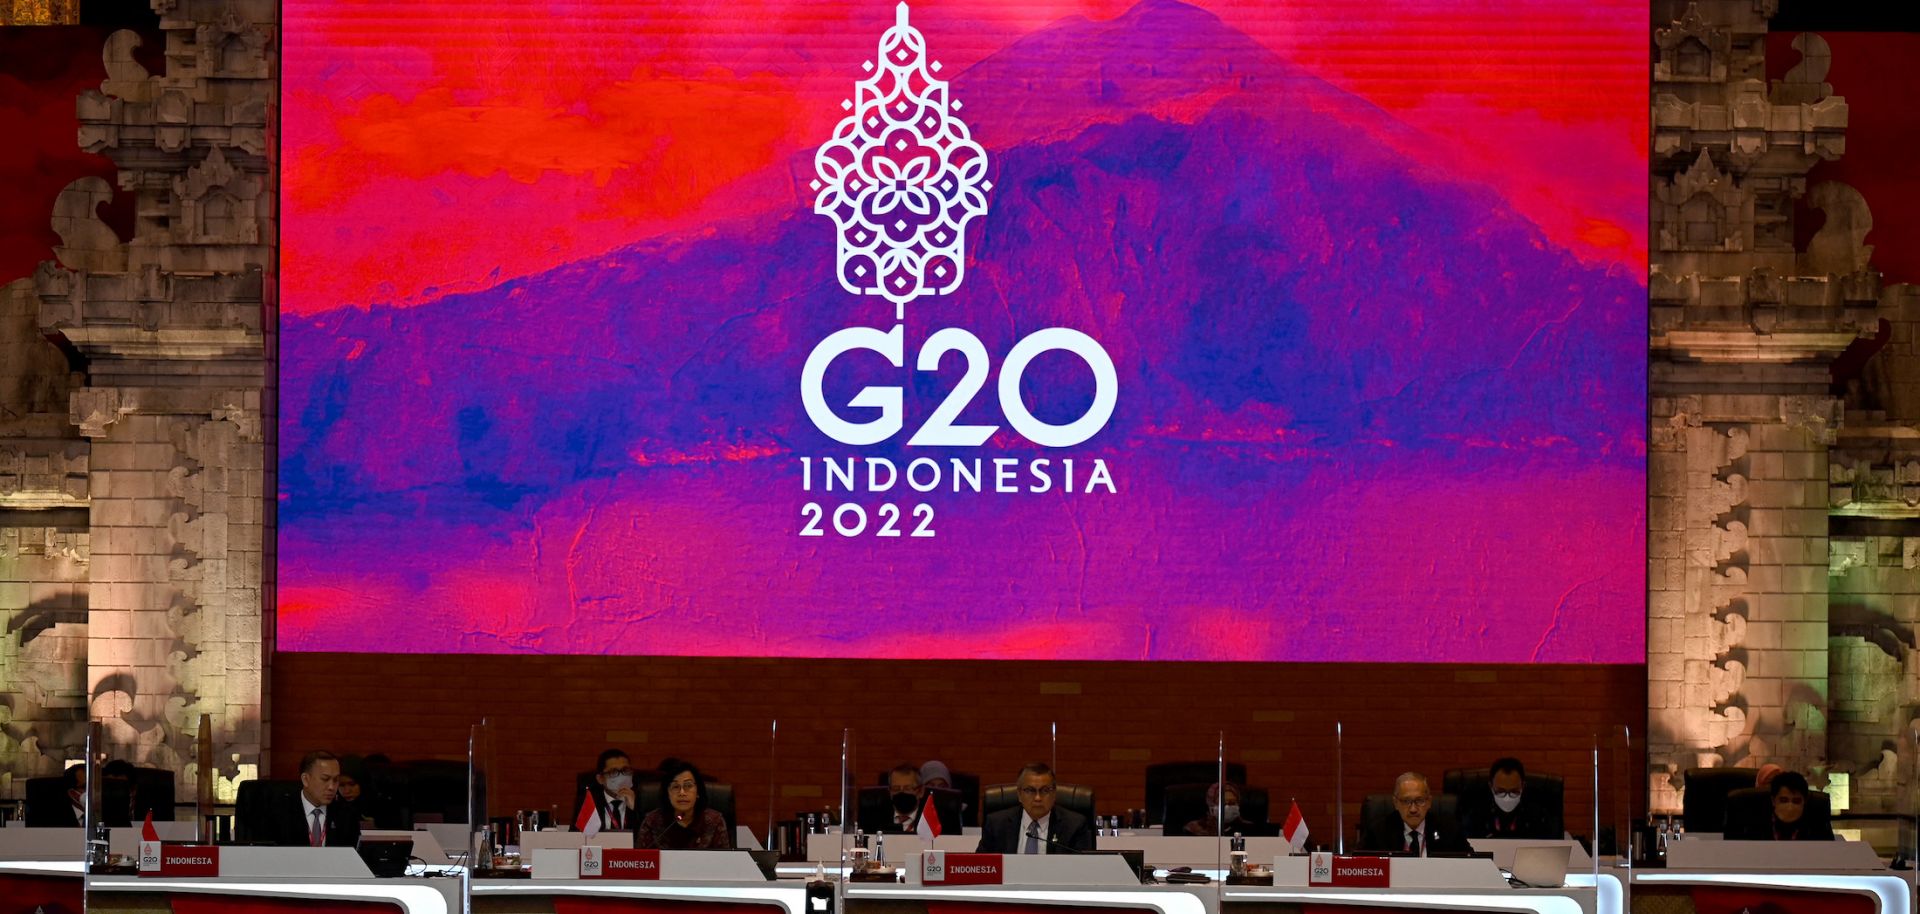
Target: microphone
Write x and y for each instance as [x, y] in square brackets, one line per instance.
[1033, 831]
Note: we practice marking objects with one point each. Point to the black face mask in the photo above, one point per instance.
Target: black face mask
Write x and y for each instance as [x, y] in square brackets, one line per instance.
[903, 803]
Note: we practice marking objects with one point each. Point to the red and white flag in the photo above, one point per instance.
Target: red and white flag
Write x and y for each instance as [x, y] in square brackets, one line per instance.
[929, 827]
[147, 831]
[1295, 831]
[588, 823]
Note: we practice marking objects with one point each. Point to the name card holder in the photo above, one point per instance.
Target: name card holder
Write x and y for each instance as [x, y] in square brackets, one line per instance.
[619, 863]
[158, 859]
[1349, 872]
[943, 868]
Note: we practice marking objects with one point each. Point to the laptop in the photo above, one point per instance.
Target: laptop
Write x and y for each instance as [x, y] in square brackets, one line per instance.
[386, 857]
[1541, 867]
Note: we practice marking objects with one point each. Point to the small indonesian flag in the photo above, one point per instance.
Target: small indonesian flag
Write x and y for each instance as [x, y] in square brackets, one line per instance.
[1295, 831]
[147, 831]
[929, 827]
[588, 822]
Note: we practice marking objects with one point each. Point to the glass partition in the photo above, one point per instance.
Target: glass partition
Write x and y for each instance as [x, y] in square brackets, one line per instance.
[125, 803]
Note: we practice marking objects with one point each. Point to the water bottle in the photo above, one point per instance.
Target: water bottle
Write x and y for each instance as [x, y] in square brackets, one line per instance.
[879, 848]
[1239, 844]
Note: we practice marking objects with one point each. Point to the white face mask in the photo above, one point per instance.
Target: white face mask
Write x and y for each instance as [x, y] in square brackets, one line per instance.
[1229, 813]
[1506, 804]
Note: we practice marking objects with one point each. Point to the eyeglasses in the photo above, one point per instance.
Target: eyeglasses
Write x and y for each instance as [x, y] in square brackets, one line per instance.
[1036, 791]
[1507, 794]
[684, 788]
[610, 772]
[1415, 802]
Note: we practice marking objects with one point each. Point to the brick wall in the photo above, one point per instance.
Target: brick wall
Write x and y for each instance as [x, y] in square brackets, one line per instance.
[554, 714]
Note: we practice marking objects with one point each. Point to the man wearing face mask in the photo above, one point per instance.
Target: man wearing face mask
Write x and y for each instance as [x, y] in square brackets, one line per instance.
[614, 799]
[904, 793]
[1209, 823]
[1505, 810]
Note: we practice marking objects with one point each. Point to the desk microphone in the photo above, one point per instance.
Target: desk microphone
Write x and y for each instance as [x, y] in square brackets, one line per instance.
[1033, 831]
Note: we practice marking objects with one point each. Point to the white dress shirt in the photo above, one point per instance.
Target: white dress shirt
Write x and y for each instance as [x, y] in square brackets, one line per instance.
[1026, 822]
[307, 810]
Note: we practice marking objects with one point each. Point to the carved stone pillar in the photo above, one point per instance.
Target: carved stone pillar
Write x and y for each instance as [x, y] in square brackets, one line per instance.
[1743, 327]
[170, 330]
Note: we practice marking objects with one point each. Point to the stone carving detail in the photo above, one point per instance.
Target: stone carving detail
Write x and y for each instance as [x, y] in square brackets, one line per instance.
[218, 203]
[1704, 209]
[1840, 246]
[1819, 415]
[167, 328]
[95, 408]
[86, 243]
[1743, 327]
[1691, 50]
[1806, 82]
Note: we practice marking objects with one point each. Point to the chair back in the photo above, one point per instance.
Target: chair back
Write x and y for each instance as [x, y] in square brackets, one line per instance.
[1548, 790]
[1188, 803]
[967, 786]
[253, 806]
[646, 796]
[1750, 811]
[1166, 774]
[1377, 806]
[1703, 806]
[48, 804]
[1076, 797]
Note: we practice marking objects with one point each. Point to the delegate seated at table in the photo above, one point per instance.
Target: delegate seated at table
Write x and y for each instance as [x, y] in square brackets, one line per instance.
[683, 820]
[1789, 820]
[309, 818]
[1208, 825]
[1410, 827]
[1504, 809]
[1036, 825]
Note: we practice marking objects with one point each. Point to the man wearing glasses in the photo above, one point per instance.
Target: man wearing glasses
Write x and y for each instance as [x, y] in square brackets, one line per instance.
[1506, 810]
[613, 801]
[1410, 829]
[1035, 826]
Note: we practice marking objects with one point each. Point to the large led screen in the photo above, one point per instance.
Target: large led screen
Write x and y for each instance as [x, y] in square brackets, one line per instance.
[1099, 330]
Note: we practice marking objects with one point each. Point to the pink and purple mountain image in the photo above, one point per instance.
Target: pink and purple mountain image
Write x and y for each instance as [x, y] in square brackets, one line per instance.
[1368, 410]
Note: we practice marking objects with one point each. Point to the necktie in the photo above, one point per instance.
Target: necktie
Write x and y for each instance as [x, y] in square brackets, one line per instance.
[1033, 839]
[616, 814]
[318, 836]
[1413, 840]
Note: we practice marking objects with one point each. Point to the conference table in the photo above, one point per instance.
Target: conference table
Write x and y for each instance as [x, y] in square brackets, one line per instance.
[40, 870]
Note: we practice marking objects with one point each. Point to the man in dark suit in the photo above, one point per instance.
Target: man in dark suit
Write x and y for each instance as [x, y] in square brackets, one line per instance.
[1410, 828]
[614, 801]
[1035, 826]
[76, 780]
[309, 818]
[1505, 809]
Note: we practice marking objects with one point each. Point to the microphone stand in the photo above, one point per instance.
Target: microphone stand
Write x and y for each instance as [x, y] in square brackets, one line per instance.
[1033, 831]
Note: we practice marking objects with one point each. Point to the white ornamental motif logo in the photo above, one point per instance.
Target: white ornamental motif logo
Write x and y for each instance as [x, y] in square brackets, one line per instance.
[901, 178]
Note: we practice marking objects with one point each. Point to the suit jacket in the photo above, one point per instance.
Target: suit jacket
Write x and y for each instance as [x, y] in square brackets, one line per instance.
[877, 819]
[1387, 834]
[288, 826]
[602, 809]
[1764, 830]
[1000, 832]
[1482, 819]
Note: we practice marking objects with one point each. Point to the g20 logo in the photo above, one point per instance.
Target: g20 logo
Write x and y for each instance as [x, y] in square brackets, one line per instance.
[939, 429]
[901, 178]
